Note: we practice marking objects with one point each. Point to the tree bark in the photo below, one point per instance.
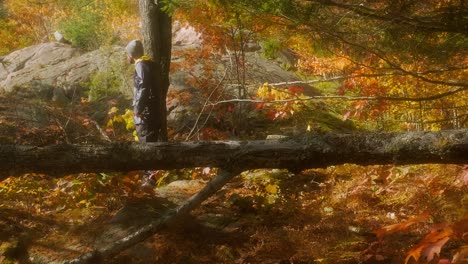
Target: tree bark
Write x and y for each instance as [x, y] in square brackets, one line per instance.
[310, 151]
[156, 32]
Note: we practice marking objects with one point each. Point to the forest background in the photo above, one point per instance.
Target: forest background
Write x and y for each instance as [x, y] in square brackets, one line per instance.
[361, 66]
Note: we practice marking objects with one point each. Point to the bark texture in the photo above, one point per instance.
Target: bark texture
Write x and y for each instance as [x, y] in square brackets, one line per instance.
[156, 32]
[310, 151]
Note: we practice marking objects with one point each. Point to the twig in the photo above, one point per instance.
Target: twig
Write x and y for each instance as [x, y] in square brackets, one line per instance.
[339, 78]
[189, 136]
[103, 134]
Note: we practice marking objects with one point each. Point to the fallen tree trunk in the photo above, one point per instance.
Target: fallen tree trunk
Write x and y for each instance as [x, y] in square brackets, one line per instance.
[310, 151]
[232, 157]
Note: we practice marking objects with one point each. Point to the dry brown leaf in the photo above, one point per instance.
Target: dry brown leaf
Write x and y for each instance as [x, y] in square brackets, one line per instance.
[401, 226]
[460, 228]
[431, 250]
[431, 244]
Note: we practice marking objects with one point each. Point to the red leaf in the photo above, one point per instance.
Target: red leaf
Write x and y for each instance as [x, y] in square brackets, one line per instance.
[443, 261]
[295, 89]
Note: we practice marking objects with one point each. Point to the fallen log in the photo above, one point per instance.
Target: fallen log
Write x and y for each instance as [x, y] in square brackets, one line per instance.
[309, 151]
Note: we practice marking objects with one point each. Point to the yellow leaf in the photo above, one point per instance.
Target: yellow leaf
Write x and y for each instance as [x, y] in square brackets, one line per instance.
[110, 123]
[128, 113]
[130, 125]
[113, 110]
[118, 119]
[272, 188]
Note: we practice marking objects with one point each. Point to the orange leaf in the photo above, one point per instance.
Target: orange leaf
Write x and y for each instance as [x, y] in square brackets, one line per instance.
[127, 180]
[401, 226]
[431, 243]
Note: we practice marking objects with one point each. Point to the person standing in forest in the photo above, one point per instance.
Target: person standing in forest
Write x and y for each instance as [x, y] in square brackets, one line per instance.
[145, 98]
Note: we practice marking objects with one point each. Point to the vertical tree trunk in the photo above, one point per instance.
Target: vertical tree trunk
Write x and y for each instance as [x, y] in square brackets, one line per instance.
[156, 32]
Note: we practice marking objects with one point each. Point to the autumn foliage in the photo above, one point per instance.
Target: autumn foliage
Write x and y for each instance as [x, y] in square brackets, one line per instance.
[360, 66]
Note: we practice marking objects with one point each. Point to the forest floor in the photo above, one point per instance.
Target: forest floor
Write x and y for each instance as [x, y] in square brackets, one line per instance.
[264, 216]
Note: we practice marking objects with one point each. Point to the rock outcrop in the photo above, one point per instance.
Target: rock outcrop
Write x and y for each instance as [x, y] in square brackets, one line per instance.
[60, 72]
[52, 64]
[60, 65]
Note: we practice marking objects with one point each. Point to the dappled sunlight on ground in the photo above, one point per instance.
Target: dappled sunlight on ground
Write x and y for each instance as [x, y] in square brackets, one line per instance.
[262, 216]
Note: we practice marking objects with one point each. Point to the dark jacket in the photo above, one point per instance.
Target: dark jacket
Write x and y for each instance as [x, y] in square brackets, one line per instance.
[144, 93]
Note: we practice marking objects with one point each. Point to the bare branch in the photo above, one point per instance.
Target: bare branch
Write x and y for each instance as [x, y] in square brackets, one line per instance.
[394, 65]
[339, 78]
[349, 98]
[191, 133]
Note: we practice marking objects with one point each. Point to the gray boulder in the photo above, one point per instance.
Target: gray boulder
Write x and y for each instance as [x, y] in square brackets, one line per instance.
[53, 65]
[61, 66]
[62, 71]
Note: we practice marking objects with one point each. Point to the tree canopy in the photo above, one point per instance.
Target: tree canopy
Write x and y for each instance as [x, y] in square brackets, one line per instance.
[385, 49]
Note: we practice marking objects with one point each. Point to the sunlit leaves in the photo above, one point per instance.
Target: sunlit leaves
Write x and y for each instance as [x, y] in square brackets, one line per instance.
[265, 185]
[122, 17]
[278, 109]
[12, 36]
[119, 124]
[87, 24]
